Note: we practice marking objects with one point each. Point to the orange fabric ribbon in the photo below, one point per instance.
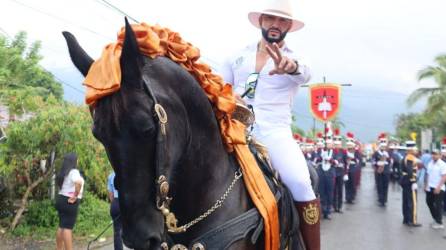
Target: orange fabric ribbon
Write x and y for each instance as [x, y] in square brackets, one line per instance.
[104, 78]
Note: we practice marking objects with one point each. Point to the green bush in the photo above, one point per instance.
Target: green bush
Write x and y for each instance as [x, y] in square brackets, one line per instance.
[42, 214]
[93, 216]
[41, 220]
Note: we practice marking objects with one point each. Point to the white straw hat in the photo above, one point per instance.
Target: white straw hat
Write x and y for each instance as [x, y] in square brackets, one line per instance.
[280, 8]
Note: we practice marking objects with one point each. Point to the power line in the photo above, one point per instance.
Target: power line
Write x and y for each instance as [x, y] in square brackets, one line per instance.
[69, 85]
[60, 19]
[109, 5]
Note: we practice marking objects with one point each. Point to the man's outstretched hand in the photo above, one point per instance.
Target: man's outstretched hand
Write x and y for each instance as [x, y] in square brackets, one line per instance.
[283, 64]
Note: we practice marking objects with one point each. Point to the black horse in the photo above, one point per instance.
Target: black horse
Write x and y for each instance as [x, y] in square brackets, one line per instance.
[184, 158]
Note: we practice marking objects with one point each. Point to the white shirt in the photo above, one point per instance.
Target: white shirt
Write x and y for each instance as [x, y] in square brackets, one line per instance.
[435, 170]
[274, 94]
[68, 187]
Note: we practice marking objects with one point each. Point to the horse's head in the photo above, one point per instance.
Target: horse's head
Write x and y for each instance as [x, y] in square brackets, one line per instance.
[126, 123]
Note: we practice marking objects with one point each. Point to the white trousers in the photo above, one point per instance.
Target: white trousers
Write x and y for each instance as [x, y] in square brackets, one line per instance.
[288, 159]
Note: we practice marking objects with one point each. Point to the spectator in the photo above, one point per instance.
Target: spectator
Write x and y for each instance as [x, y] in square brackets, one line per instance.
[434, 186]
[114, 211]
[71, 185]
[425, 159]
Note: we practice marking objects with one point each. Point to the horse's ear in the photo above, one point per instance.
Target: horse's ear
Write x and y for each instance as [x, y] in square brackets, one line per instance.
[80, 58]
[130, 57]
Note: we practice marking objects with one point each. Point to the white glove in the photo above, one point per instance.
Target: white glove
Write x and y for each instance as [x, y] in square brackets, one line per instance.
[346, 177]
[414, 186]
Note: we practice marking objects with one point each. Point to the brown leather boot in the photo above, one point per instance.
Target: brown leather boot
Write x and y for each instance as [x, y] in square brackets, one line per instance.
[309, 223]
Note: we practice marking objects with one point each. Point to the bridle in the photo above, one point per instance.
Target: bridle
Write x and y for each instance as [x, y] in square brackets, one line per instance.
[162, 160]
[162, 184]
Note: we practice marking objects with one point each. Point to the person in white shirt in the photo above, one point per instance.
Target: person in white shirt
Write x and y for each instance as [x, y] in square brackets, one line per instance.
[269, 73]
[71, 185]
[435, 179]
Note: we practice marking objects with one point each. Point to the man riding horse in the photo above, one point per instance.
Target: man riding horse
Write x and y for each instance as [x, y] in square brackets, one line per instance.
[270, 73]
[165, 122]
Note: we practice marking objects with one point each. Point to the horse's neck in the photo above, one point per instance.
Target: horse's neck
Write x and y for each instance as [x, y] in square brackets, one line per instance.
[204, 170]
[203, 177]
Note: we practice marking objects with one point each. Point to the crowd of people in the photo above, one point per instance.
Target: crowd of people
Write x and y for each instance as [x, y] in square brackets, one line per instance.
[413, 170]
[338, 168]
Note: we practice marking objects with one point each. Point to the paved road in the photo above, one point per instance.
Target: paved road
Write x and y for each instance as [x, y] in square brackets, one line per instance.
[366, 226]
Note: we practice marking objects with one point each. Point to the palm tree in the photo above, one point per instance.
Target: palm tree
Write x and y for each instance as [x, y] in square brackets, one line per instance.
[436, 101]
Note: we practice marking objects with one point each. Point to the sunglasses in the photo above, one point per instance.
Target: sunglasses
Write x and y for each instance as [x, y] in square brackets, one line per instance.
[250, 85]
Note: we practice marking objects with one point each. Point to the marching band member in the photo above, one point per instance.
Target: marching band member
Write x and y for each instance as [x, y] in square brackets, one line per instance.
[352, 161]
[409, 185]
[340, 171]
[381, 163]
[326, 172]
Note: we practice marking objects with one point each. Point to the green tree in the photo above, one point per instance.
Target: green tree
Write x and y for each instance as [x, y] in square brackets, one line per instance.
[436, 96]
[58, 127]
[408, 123]
[20, 69]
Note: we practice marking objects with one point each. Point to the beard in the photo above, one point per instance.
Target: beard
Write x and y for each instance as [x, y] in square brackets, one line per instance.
[273, 39]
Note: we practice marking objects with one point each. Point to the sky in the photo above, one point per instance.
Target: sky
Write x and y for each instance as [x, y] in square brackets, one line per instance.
[379, 44]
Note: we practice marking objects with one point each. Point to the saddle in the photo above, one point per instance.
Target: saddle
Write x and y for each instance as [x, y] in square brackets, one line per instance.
[250, 224]
[288, 216]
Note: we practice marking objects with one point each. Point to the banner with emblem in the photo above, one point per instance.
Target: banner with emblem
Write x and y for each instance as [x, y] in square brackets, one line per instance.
[325, 99]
